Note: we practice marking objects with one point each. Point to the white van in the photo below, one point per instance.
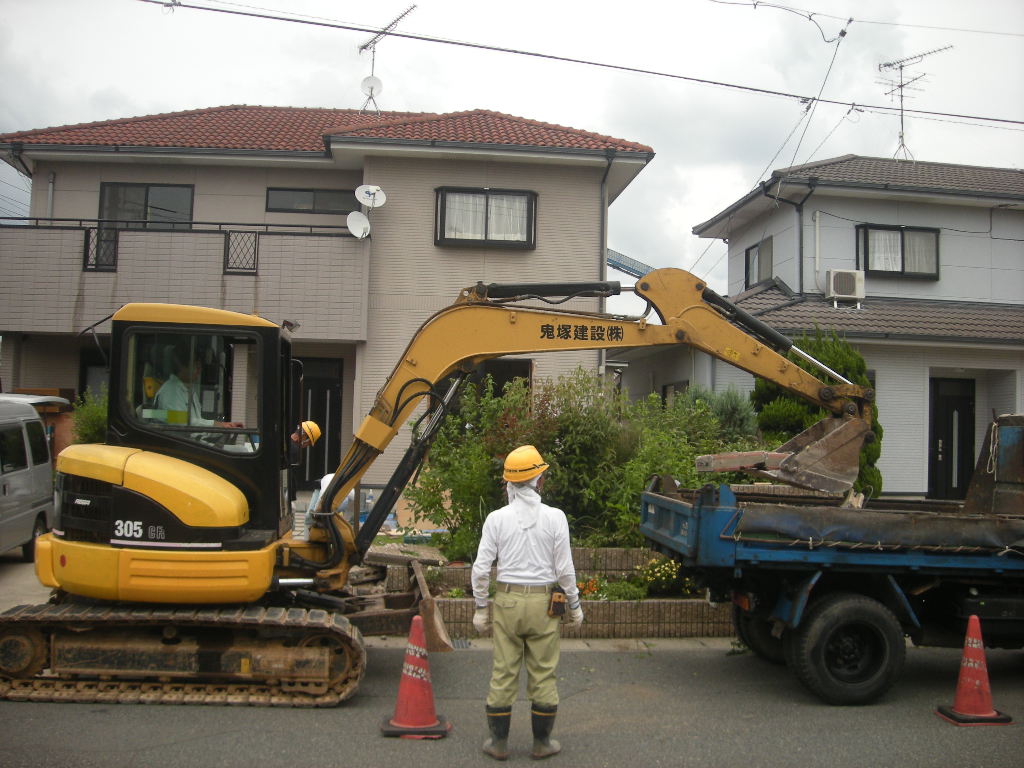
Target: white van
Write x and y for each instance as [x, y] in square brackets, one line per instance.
[26, 473]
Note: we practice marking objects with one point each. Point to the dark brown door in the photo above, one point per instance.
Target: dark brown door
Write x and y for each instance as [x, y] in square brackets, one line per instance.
[321, 402]
[951, 443]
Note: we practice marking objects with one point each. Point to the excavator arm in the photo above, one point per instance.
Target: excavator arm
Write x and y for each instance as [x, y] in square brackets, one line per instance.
[488, 321]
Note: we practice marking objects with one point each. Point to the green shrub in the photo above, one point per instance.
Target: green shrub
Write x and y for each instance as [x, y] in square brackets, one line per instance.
[781, 421]
[601, 447]
[622, 590]
[89, 417]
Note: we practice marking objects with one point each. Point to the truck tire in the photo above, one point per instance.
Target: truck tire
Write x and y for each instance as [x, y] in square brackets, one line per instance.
[756, 633]
[28, 549]
[849, 649]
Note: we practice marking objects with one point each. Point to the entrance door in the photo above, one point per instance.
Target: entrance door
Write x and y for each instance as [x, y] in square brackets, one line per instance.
[321, 398]
[951, 445]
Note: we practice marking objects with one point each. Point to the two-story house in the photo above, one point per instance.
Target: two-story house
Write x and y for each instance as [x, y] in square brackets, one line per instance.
[919, 265]
[246, 208]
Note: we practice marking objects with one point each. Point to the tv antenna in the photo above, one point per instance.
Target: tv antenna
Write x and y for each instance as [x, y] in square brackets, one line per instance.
[903, 85]
[372, 85]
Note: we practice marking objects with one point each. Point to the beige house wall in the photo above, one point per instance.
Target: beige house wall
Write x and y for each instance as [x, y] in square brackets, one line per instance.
[357, 300]
[411, 278]
[222, 193]
[319, 281]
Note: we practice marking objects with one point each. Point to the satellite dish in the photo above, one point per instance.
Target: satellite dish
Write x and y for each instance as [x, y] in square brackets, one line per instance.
[372, 86]
[371, 195]
[358, 224]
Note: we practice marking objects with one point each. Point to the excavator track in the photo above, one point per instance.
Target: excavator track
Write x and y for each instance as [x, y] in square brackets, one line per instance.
[33, 640]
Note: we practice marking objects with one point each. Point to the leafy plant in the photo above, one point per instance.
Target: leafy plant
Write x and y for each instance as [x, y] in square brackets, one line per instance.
[601, 447]
[782, 415]
[624, 590]
[663, 577]
[89, 417]
[600, 588]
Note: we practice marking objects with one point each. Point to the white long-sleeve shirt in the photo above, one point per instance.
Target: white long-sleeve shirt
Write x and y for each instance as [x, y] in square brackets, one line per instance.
[539, 554]
[174, 395]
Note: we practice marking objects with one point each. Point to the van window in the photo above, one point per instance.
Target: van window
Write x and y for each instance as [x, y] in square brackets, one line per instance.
[12, 449]
[37, 442]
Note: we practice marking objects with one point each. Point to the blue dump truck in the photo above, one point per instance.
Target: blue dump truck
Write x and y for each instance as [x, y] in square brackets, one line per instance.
[834, 591]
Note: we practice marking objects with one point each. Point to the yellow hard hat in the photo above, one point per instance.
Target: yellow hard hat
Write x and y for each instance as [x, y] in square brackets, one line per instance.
[523, 463]
[312, 431]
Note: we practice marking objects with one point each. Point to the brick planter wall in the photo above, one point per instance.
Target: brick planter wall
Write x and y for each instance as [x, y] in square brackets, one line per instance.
[608, 562]
[619, 619]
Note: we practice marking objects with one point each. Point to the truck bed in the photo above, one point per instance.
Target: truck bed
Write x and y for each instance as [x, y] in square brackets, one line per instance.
[718, 528]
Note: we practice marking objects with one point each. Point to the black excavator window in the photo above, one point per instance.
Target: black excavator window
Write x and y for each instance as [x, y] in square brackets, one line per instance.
[196, 386]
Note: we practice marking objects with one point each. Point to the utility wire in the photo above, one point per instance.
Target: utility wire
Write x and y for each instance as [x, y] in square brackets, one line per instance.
[810, 14]
[565, 59]
[817, 100]
[12, 201]
[15, 186]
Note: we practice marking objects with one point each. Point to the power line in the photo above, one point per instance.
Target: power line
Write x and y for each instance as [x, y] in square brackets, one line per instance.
[12, 201]
[810, 14]
[15, 186]
[564, 59]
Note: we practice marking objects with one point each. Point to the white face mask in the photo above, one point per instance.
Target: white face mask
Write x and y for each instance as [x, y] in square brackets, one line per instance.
[525, 501]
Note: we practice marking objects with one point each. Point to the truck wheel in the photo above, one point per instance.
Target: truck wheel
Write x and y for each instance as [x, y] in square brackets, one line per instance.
[28, 549]
[849, 649]
[756, 633]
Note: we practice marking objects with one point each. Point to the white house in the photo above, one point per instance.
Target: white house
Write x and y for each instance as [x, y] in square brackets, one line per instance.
[919, 265]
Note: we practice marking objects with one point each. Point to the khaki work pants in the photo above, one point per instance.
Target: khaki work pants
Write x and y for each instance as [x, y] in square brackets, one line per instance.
[524, 634]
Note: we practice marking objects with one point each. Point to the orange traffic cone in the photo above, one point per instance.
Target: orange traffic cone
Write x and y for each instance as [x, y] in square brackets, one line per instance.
[414, 716]
[973, 702]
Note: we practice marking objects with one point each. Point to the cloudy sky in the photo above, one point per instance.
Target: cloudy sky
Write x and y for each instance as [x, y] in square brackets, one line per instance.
[71, 61]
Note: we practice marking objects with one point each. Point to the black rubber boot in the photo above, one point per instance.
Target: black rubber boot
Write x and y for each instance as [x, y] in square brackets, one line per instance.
[498, 721]
[543, 721]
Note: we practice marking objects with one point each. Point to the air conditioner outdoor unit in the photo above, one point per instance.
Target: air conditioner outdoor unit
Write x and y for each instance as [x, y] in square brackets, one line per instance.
[845, 284]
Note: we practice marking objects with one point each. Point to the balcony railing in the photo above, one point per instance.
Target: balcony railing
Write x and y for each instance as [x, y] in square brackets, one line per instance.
[241, 240]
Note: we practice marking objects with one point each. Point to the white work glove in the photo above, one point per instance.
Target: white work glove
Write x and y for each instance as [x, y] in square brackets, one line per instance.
[482, 621]
[575, 616]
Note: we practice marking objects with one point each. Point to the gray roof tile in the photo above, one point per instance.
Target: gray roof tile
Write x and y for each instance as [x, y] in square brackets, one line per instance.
[891, 173]
[888, 318]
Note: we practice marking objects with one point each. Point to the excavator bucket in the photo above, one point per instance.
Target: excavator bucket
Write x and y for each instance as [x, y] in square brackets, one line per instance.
[824, 457]
[434, 630]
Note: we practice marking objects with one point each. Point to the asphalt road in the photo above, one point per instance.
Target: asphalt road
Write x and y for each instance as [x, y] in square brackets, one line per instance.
[690, 703]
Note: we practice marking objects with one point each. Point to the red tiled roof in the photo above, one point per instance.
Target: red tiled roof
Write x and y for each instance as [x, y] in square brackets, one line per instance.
[304, 130]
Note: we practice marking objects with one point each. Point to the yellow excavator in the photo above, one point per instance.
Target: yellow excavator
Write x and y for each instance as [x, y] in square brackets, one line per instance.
[178, 572]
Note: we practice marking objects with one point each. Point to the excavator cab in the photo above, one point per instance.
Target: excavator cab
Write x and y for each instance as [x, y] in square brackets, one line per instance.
[194, 471]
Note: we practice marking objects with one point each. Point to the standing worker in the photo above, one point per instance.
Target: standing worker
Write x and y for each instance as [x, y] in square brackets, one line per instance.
[530, 541]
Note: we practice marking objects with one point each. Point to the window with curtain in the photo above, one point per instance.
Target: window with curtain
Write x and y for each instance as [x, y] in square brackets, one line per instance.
[759, 264]
[906, 251]
[496, 217]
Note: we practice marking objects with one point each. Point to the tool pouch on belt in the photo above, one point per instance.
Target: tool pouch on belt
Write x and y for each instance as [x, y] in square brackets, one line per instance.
[556, 606]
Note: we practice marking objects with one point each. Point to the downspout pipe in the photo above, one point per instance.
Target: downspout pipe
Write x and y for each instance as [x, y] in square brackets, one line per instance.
[50, 182]
[602, 262]
[812, 184]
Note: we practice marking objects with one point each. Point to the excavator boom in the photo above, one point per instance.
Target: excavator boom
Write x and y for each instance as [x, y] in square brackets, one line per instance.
[488, 321]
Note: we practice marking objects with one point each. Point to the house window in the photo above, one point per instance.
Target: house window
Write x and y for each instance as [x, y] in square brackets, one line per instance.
[334, 201]
[135, 206]
[758, 262]
[496, 217]
[907, 251]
